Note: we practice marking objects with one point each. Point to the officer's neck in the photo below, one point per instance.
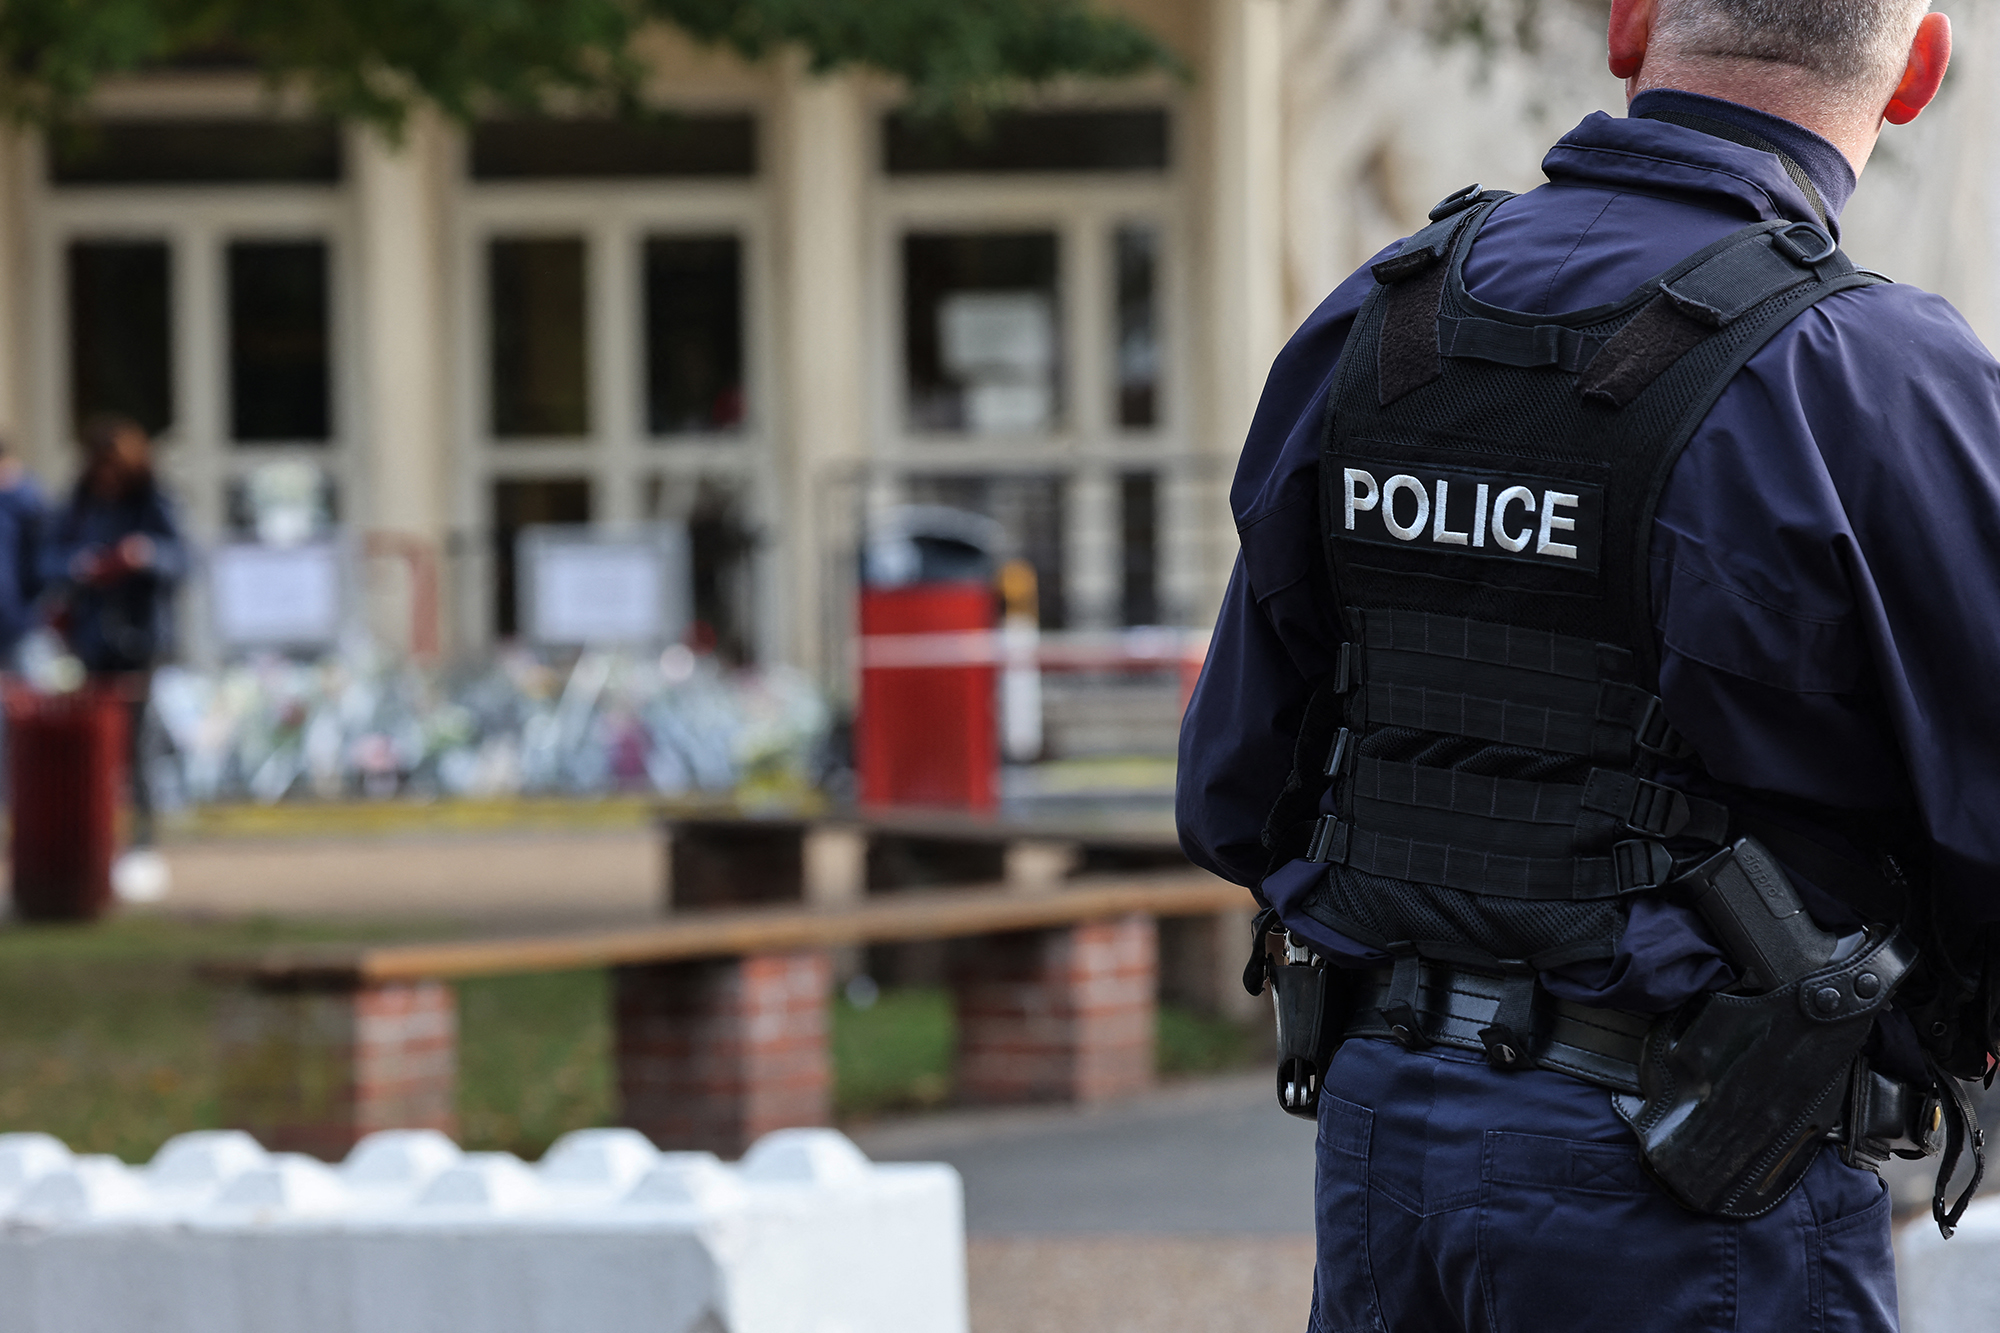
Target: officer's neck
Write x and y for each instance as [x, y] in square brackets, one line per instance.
[1777, 90]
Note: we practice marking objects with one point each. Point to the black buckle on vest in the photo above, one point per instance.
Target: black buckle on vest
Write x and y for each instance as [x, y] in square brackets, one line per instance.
[1400, 1014]
[1816, 249]
[1329, 841]
[1657, 809]
[1456, 202]
[1336, 758]
[1639, 864]
[1655, 735]
[1343, 670]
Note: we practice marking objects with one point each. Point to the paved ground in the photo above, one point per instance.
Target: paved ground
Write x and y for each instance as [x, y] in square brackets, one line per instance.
[1185, 1211]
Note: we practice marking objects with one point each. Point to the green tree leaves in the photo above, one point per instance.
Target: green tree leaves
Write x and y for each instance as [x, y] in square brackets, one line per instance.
[375, 58]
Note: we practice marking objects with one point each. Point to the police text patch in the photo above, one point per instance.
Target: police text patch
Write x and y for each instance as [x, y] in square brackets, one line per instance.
[1436, 510]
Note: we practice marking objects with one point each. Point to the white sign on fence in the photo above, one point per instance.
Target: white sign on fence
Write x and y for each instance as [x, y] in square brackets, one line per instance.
[580, 587]
[276, 596]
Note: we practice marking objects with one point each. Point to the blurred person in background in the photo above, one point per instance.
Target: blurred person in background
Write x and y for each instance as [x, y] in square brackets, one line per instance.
[114, 556]
[23, 521]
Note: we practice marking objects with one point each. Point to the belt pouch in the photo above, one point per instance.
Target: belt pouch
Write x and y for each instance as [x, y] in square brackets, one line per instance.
[1737, 1091]
[1311, 1003]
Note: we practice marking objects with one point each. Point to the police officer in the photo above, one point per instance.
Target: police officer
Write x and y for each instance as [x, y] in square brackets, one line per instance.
[1614, 554]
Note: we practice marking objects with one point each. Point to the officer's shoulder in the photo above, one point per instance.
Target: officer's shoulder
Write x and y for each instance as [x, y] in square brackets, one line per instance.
[1897, 325]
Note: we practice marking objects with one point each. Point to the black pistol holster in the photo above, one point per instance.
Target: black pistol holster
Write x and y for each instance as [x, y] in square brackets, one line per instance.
[1739, 1089]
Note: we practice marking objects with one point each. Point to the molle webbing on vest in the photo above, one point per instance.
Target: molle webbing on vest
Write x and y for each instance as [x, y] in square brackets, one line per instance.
[1488, 483]
[1505, 684]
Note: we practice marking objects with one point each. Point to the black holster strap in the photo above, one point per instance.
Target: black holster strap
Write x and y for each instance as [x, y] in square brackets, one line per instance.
[1454, 1005]
[1962, 1134]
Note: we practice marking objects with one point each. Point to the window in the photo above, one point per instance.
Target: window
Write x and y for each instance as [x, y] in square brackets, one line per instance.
[1138, 525]
[1023, 141]
[694, 334]
[982, 332]
[278, 368]
[540, 384]
[1137, 252]
[521, 504]
[120, 338]
[196, 152]
[605, 149]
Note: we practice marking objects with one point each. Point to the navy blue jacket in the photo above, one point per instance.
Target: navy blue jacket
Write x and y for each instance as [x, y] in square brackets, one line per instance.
[127, 624]
[1825, 558]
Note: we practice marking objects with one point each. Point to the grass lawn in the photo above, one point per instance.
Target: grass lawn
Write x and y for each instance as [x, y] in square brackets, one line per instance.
[104, 1039]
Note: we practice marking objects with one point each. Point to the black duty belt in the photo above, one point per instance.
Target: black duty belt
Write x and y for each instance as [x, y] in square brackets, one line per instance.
[1461, 1008]
[1458, 1007]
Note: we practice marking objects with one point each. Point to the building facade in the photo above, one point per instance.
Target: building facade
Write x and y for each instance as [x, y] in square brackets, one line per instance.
[781, 307]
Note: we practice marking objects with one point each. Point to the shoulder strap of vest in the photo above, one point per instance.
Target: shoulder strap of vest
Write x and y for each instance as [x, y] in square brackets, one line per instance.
[1409, 350]
[1763, 279]
[1757, 265]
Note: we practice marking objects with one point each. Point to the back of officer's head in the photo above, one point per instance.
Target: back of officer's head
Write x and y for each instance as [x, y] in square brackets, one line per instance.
[1847, 46]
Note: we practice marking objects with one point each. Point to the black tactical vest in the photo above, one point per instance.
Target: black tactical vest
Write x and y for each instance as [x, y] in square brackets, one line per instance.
[1478, 773]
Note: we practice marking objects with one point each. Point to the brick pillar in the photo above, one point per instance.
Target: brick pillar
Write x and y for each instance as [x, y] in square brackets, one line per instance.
[315, 1069]
[1201, 966]
[1057, 1015]
[714, 1054]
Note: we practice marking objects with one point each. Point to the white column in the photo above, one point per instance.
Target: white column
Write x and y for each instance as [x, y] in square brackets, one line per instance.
[1241, 283]
[404, 440]
[1245, 296]
[15, 411]
[820, 168]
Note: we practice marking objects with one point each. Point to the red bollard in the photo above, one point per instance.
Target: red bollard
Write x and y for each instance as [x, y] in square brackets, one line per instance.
[65, 777]
[926, 733]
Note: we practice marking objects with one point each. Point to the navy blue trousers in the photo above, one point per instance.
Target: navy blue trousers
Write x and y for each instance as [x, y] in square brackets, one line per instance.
[1454, 1197]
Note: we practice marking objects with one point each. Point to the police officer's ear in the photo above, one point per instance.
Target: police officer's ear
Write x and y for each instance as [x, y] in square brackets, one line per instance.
[1930, 53]
[1631, 31]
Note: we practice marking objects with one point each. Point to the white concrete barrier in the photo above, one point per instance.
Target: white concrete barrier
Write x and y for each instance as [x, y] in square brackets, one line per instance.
[410, 1235]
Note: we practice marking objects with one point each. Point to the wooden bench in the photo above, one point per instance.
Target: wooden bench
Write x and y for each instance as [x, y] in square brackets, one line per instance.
[716, 860]
[721, 1017]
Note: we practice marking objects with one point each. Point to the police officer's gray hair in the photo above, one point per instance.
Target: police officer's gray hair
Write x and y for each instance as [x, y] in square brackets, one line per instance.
[1846, 42]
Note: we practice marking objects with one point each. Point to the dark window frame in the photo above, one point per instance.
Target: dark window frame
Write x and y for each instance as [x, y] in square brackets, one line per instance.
[90, 393]
[669, 146]
[503, 424]
[196, 150]
[236, 250]
[1066, 141]
[656, 244]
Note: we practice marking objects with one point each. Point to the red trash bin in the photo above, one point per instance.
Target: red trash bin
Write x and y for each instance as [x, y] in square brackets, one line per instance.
[926, 731]
[65, 777]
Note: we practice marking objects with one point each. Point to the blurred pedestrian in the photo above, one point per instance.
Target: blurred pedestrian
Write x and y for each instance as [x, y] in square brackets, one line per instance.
[114, 557]
[23, 523]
